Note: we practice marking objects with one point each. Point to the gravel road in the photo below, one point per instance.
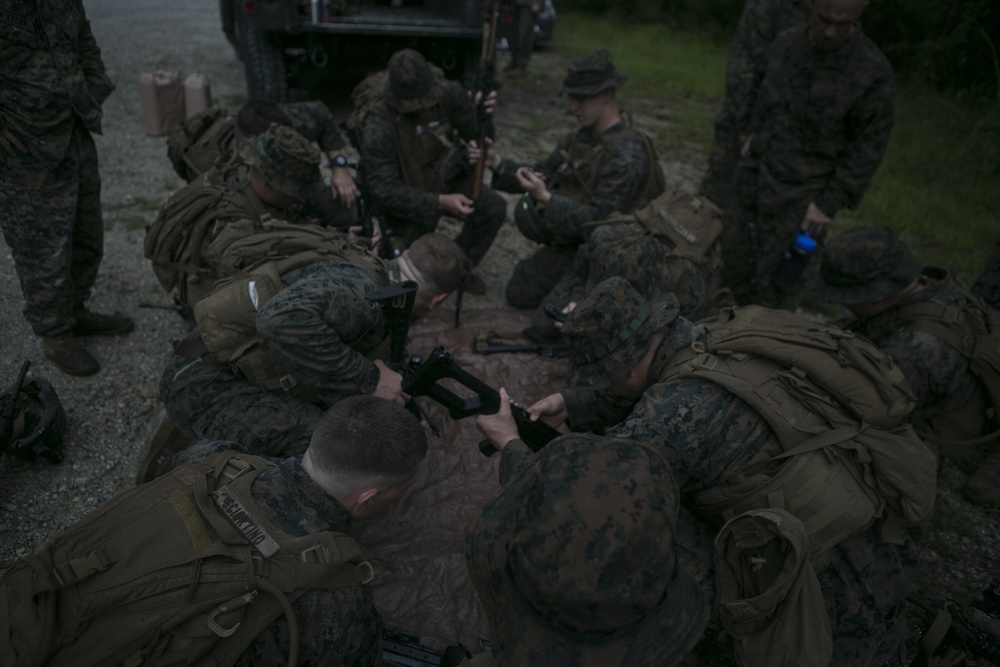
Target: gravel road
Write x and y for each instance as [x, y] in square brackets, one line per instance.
[112, 414]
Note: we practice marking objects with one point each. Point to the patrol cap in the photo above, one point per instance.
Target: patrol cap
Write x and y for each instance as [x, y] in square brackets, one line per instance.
[412, 85]
[575, 560]
[591, 74]
[863, 265]
[288, 160]
[611, 330]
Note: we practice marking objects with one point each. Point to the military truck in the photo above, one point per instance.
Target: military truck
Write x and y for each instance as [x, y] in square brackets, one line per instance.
[284, 40]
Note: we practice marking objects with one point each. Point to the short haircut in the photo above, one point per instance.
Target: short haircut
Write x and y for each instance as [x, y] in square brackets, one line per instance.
[367, 441]
[441, 262]
[256, 116]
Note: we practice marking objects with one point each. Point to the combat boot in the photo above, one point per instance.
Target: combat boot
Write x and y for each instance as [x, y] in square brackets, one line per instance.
[983, 486]
[69, 355]
[98, 324]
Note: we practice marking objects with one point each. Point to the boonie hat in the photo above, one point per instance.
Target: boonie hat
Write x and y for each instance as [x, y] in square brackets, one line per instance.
[591, 74]
[288, 160]
[611, 330]
[864, 265]
[575, 562]
[412, 85]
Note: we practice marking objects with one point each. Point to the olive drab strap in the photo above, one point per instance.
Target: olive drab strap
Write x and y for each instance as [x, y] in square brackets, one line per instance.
[175, 571]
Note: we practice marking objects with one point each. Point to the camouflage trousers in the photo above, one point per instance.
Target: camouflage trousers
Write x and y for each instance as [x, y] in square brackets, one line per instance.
[538, 274]
[479, 229]
[205, 399]
[53, 224]
[718, 183]
[987, 285]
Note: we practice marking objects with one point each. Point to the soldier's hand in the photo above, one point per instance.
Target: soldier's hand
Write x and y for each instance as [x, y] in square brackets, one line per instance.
[499, 428]
[456, 204]
[389, 384]
[533, 183]
[816, 223]
[569, 308]
[492, 159]
[491, 101]
[343, 187]
[9, 142]
[551, 410]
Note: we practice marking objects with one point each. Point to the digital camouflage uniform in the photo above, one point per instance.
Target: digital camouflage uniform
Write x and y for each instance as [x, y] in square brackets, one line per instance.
[52, 86]
[590, 177]
[870, 264]
[650, 266]
[820, 122]
[337, 626]
[707, 435]
[574, 560]
[318, 329]
[987, 285]
[760, 23]
[413, 149]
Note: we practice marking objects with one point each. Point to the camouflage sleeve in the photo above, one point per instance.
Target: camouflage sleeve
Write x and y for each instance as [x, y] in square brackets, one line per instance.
[385, 175]
[619, 182]
[98, 84]
[505, 178]
[320, 327]
[869, 125]
[594, 410]
[937, 373]
[704, 432]
[314, 121]
[513, 457]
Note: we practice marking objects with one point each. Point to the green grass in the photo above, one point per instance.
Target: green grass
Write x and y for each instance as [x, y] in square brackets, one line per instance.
[939, 183]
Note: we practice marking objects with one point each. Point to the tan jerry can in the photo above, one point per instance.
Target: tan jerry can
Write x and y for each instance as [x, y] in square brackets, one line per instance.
[197, 94]
[162, 98]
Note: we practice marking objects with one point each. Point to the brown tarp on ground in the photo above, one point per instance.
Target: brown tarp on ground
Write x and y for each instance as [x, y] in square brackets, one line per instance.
[421, 581]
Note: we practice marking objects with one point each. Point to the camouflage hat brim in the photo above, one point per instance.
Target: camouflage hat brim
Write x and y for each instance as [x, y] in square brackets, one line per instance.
[593, 370]
[583, 86]
[521, 634]
[413, 104]
[255, 154]
[847, 296]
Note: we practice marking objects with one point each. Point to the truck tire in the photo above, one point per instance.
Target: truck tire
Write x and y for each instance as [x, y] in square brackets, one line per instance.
[264, 64]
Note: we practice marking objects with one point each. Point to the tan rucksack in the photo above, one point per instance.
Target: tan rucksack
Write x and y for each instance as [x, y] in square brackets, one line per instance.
[174, 241]
[837, 404]
[196, 145]
[183, 570]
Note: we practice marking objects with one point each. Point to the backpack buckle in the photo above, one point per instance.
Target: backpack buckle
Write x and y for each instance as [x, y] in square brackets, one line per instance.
[241, 600]
[366, 573]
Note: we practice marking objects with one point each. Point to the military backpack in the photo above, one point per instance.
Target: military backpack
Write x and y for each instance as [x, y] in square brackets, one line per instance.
[184, 570]
[200, 140]
[838, 406]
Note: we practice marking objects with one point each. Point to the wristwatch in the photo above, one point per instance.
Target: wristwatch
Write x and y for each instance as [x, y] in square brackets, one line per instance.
[339, 161]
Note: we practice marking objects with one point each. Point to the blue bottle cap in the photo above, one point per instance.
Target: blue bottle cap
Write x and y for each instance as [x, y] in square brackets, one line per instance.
[805, 243]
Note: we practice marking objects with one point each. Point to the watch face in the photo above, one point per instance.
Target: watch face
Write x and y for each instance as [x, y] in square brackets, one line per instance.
[339, 161]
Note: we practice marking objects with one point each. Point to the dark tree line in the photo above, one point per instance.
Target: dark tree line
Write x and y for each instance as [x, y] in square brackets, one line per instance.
[951, 45]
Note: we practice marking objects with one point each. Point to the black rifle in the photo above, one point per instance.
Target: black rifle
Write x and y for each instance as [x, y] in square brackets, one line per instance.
[489, 343]
[367, 210]
[972, 629]
[422, 380]
[397, 305]
[178, 308]
[485, 84]
[555, 313]
[10, 407]
[401, 648]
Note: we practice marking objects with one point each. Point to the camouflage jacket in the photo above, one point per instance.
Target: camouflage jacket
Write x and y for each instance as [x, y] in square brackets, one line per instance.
[820, 122]
[760, 23]
[321, 327]
[52, 74]
[337, 626]
[707, 435]
[951, 399]
[396, 147]
[591, 177]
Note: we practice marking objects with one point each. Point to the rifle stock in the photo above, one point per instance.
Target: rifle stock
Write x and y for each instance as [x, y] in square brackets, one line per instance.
[423, 378]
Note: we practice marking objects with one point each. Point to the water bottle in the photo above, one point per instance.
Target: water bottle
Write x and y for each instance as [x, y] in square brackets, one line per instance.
[794, 262]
